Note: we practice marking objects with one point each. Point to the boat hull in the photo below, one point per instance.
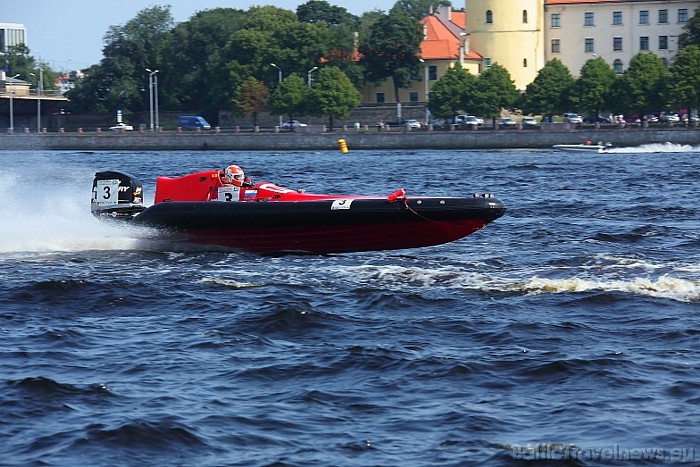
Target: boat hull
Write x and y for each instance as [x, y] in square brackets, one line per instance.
[594, 148]
[322, 226]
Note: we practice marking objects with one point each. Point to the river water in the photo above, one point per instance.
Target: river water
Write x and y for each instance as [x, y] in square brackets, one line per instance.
[567, 329]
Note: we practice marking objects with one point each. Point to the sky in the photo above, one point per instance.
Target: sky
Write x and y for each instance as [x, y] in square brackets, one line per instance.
[68, 34]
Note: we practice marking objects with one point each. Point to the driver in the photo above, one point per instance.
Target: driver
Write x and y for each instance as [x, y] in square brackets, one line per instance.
[234, 175]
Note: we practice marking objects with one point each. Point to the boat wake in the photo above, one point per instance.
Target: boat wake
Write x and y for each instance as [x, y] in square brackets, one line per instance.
[673, 285]
[53, 219]
[655, 147]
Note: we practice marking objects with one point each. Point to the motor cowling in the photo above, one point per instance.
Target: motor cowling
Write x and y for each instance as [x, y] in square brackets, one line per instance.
[116, 195]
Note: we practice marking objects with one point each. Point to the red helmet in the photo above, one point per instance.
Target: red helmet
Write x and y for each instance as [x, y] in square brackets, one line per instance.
[234, 175]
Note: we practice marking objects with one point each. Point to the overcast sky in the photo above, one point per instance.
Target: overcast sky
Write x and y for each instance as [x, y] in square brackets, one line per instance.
[68, 33]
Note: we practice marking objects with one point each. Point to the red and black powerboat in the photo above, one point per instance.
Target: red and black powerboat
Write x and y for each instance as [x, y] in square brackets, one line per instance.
[268, 219]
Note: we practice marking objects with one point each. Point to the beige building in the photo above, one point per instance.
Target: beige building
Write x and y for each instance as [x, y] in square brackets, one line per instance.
[522, 35]
[576, 31]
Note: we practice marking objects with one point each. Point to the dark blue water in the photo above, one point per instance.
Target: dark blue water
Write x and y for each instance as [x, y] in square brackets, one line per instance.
[568, 329]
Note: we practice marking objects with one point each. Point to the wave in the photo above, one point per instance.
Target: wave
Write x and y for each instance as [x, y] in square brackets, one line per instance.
[656, 147]
[625, 275]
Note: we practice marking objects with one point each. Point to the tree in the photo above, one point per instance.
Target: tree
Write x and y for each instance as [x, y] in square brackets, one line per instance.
[691, 36]
[684, 87]
[642, 87]
[495, 91]
[290, 97]
[418, 9]
[592, 88]
[392, 51]
[116, 83]
[194, 76]
[446, 95]
[333, 94]
[251, 98]
[549, 93]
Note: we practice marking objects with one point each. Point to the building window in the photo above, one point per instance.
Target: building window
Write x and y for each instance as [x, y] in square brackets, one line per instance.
[524, 62]
[617, 44]
[617, 66]
[380, 97]
[487, 62]
[555, 20]
[556, 46]
[663, 16]
[489, 16]
[588, 45]
[617, 18]
[644, 17]
[644, 43]
[524, 16]
[682, 15]
[663, 42]
[588, 19]
[413, 96]
[432, 72]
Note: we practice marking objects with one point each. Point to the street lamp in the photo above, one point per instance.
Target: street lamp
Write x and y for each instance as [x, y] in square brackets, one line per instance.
[39, 89]
[12, 110]
[279, 80]
[308, 75]
[153, 96]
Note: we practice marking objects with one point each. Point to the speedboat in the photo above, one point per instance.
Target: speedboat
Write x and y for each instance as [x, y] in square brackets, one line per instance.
[265, 218]
[588, 147]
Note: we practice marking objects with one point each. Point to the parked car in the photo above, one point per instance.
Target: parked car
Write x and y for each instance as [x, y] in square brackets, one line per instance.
[403, 122]
[669, 117]
[529, 122]
[651, 118]
[193, 122]
[469, 120]
[293, 124]
[506, 123]
[595, 119]
[572, 118]
[121, 127]
[693, 118]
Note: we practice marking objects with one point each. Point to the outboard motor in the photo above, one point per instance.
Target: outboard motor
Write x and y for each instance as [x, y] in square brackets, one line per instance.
[116, 195]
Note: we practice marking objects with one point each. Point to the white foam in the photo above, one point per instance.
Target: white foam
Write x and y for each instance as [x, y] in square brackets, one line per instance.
[53, 216]
[655, 147]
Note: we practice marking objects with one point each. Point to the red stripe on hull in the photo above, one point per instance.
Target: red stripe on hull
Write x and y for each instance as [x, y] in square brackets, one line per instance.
[338, 238]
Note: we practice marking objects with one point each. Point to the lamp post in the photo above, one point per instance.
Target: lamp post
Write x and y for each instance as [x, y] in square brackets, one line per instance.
[12, 110]
[153, 78]
[39, 88]
[308, 75]
[279, 80]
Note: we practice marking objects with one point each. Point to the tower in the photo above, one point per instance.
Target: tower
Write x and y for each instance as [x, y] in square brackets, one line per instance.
[507, 32]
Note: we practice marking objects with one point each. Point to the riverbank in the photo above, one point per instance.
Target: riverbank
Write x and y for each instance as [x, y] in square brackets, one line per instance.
[356, 139]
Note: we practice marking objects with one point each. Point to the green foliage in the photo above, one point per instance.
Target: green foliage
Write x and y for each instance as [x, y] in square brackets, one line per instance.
[290, 98]
[445, 98]
[116, 83]
[251, 98]
[642, 87]
[333, 94]
[592, 88]
[691, 35]
[417, 9]
[494, 92]
[392, 51]
[18, 61]
[684, 87]
[549, 93]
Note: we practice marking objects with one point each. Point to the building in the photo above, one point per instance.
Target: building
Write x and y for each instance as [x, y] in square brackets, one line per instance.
[615, 30]
[523, 35]
[12, 34]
